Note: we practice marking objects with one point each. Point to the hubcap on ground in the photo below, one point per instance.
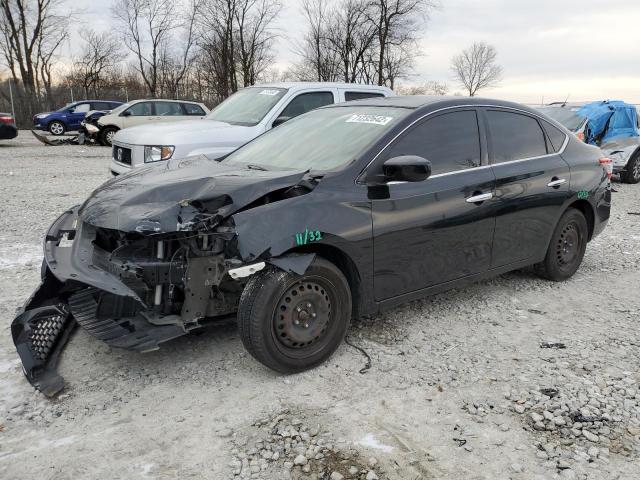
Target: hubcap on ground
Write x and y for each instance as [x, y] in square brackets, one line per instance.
[569, 245]
[303, 314]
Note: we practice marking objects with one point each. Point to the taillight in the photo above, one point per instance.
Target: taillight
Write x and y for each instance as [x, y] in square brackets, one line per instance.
[5, 119]
[580, 136]
[607, 164]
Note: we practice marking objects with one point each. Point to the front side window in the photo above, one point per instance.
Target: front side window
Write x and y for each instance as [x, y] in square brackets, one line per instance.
[142, 109]
[193, 109]
[305, 102]
[451, 142]
[247, 107]
[515, 136]
[321, 140]
[168, 109]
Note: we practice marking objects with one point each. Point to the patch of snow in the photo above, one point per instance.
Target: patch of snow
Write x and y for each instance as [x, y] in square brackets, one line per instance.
[19, 255]
[369, 440]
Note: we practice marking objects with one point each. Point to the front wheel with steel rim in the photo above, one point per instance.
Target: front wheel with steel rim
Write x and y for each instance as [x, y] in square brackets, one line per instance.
[290, 322]
[632, 170]
[567, 247]
[56, 128]
[106, 136]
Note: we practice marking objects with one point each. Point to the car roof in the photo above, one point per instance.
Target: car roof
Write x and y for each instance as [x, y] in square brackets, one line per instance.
[304, 85]
[434, 102]
[163, 100]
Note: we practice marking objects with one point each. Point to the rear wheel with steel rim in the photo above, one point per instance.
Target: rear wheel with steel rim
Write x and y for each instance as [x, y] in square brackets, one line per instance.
[290, 322]
[632, 170]
[567, 247]
[56, 128]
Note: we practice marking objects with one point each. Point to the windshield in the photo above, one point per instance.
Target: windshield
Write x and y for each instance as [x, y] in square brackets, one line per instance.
[567, 116]
[66, 107]
[248, 106]
[320, 140]
[121, 108]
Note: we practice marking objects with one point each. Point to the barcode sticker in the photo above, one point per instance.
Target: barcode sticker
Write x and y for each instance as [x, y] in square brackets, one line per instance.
[372, 119]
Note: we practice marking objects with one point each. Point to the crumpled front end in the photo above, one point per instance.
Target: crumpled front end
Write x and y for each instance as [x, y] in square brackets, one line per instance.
[129, 290]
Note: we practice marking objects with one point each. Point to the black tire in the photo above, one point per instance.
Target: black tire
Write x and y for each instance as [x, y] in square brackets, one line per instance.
[632, 170]
[292, 323]
[567, 247]
[56, 128]
[106, 135]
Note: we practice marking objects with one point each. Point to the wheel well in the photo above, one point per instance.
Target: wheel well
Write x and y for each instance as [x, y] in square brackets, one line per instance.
[56, 120]
[344, 263]
[587, 210]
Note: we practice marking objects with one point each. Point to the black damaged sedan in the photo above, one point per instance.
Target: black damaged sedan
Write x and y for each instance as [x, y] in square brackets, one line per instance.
[340, 213]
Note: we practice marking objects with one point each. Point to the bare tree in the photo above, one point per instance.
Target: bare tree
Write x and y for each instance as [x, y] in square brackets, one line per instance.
[32, 33]
[396, 23]
[101, 53]
[254, 19]
[149, 29]
[476, 68]
[319, 61]
[431, 87]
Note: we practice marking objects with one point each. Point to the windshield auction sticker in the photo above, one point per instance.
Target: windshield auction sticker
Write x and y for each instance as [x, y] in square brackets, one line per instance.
[271, 93]
[372, 119]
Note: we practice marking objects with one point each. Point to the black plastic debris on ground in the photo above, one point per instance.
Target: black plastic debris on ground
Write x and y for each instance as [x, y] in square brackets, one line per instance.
[550, 392]
[557, 345]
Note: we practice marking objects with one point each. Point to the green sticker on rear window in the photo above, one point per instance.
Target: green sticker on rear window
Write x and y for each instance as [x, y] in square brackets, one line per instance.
[308, 236]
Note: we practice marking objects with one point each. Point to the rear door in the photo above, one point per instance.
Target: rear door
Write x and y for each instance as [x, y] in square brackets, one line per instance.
[431, 232]
[138, 113]
[169, 111]
[532, 183]
[77, 115]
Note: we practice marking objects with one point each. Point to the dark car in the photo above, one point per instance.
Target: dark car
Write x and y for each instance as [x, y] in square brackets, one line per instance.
[342, 212]
[70, 116]
[8, 128]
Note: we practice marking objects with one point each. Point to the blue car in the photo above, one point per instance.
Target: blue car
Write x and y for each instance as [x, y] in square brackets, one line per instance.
[70, 116]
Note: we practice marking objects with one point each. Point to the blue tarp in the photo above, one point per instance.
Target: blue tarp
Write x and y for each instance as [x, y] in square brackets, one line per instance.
[610, 119]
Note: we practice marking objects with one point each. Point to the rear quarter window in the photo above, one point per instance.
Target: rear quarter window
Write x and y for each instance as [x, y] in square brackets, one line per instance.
[556, 136]
[348, 96]
[515, 136]
[193, 109]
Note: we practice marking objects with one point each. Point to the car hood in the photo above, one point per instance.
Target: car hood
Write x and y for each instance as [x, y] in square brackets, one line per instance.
[44, 113]
[180, 195]
[185, 132]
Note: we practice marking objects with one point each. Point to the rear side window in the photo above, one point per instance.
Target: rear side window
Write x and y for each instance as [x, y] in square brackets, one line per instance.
[348, 96]
[193, 109]
[168, 109]
[515, 136]
[451, 142]
[142, 109]
[306, 102]
[556, 136]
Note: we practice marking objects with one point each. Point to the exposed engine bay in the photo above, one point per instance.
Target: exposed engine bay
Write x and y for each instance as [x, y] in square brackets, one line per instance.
[135, 279]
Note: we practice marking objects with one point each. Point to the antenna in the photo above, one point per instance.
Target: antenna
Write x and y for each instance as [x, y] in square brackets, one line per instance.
[566, 100]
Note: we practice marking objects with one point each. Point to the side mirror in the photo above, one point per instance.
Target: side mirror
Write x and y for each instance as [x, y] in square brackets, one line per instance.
[407, 168]
[126, 113]
[280, 121]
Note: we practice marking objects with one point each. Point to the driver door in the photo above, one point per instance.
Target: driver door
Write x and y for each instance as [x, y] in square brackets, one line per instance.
[432, 232]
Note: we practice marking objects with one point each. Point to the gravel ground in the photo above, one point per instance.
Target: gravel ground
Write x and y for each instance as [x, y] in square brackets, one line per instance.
[460, 385]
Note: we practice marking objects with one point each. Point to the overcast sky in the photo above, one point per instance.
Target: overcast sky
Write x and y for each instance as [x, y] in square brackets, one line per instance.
[551, 49]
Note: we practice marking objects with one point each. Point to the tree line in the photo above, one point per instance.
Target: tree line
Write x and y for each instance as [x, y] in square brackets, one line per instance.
[204, 49]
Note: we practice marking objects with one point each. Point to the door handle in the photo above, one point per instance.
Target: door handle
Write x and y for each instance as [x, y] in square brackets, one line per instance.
[556, 182]
[483, 197]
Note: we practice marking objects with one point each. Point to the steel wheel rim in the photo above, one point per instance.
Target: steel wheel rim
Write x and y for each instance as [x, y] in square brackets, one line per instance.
[569, 246]
[303, 317]
[56, 129]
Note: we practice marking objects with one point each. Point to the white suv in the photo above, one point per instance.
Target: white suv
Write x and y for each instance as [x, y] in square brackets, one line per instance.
[239, 119]
[144, 112]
